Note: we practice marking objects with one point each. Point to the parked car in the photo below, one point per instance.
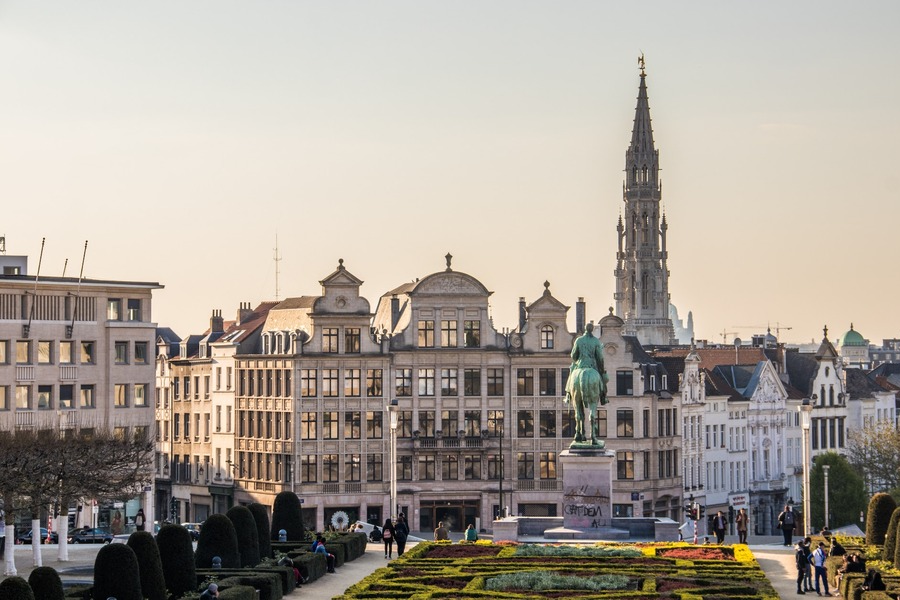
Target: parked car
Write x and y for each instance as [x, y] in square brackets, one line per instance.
[25, 537]
[193, 529]
[88, 535]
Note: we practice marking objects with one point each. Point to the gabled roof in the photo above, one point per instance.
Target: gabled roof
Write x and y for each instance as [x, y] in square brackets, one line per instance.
[801, 370]
[860, 385]
[236, 333]
[547, 301]
[826, 350]
[294, 303]
[341, 276]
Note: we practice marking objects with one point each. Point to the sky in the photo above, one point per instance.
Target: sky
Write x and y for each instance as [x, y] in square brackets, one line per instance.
[180, 139]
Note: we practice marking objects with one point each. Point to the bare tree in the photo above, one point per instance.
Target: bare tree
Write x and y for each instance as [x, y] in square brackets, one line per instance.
[875, 452]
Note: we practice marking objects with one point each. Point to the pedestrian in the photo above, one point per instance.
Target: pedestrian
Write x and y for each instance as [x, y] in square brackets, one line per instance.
[388, 533]
[802, 566]
[441, 532]
[211, 592]
[402, 531]
[787, 523]
[2, 534]
[807, 551]
[139, 520]
[719, 524]
[819, 557]
[742, 521]
[471, 533]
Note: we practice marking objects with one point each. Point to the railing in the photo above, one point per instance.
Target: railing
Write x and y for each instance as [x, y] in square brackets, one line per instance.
[539, 485]
[449, 442]
[24, 419]
[68, 373]
[24, 373]
[331, 488]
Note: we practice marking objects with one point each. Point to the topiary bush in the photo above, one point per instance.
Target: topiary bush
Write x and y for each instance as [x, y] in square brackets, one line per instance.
[881, 507]
[247, 537]
[261, 516]
[286, 515]
[15, 588]
[890, 538]
[897, 549]
[176, 553]
[153, 582]
[46, 584]
[218, 538]
[116, 574]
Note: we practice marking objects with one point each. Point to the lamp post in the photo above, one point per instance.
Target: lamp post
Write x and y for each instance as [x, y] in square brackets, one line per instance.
[825, 469]
[393, 412]
[805, 409]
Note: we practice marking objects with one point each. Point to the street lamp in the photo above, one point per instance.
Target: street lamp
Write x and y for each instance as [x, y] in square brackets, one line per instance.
[805, 409]
[825, 469]
[394, 412]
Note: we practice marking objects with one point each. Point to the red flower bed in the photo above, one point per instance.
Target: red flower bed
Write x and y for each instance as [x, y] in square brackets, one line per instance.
[667, 585]
[712, 553]
[461, 551]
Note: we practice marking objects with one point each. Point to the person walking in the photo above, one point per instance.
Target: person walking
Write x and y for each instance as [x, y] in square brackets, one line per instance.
[719, 524]
[471, 533]
[388, 533]
[802, 566]
[139, 520]
[787, 523]
[819, 557]
[402, 530]
[742, 522]
[441, 532]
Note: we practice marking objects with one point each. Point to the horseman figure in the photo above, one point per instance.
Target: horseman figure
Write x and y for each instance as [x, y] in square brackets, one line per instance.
[586, 386]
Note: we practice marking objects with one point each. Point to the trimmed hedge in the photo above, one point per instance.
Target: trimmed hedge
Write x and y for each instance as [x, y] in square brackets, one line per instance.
[268, 584]
[237, 592]
[247, 537]
[286, 515]
[263, 527]
[881, 507]
[285, 573]
[153, 582]
[890, 537]
[116, 574]
[311, 565]
[15, 588]
[46, 584]
[217, 538]
[339, 552]
[176, 553]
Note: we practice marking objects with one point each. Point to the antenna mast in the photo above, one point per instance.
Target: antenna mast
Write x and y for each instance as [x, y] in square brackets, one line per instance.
[26, 329]
[71, 327]
[277, 259]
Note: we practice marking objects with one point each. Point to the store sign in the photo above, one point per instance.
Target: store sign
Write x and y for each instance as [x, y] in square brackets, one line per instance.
[739, 501]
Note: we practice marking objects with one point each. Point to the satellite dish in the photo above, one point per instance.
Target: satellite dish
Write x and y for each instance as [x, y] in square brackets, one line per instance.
[737, 342]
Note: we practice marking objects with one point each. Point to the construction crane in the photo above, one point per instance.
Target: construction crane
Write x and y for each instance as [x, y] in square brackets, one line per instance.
[768, 327]
[725, 335]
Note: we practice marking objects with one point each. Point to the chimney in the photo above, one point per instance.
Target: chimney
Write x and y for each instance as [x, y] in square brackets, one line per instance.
[216, 322]
[579, 316]
[243, 312]
[395, 311]
[523, 314]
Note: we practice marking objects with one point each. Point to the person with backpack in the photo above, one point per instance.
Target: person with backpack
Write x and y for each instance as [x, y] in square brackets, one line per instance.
[402, 529]
[787, 523]
[800, 557]
[388, 533]
[819, 557]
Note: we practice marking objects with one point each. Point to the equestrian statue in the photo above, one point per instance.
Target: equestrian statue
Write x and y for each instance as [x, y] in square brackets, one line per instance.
[586, 387]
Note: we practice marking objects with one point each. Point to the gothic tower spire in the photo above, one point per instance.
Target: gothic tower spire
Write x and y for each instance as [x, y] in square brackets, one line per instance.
[642, 275]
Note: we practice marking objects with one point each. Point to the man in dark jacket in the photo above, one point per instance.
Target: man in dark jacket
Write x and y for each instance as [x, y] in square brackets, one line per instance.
[402, 530]
[787, 522]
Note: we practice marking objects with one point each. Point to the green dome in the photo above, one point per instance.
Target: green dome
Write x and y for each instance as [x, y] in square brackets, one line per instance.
[852, 338]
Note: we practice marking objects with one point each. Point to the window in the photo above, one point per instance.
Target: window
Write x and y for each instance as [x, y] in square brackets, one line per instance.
[23, 352]
[228, 378]
[449, 422]
[351, 341]
[374, 467]
[330, 388]
[4, 397]
[525, 382]
[218, 371]
[472, 382]
[404, 423]
[140, 353]
[206, 387]
[4, 348]
[134, 309]
[472, 466]
[526, 424]
[525, 465]
[449, 381]
[473, 423]
[308, 426]
[625, 422]
[352, 468]
[495, 423]
[448, 334]
[623, 510]
[197, 386]
[426, 467]
[23, 397]
[494, 466]
[352, 425]
[426, 334]
[120, 395]
[187, 386]
[546, 337]
[114, 309]
[602, 423]
[352, 382]
[403, 382]
[548, 423]
[330, 339]
[140, 394]
[450, 468]
[404, 468]
[568, 424]
[426, 382]
[45, 356]
[330, 425]
[121, 353]
[309, 468]
[426, 423]
[625, 464]
[187, 426]
[624, 383]
[87, 396]
[308, 383]
[45, 397]
[472, 334]
[330, 473]
[373, 383]
[374, 427]
[547, 382]
[495, 382]
[548, 465]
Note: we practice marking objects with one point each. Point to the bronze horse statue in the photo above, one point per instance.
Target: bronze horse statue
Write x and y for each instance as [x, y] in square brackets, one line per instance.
[586, 387]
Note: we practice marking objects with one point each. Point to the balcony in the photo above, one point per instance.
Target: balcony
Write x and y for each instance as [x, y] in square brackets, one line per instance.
[538, 485]
[452, 443]
[24, 373]
[68, 373]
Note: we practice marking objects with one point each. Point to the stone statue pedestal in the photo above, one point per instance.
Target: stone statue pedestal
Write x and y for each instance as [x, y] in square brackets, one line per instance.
[587, 495]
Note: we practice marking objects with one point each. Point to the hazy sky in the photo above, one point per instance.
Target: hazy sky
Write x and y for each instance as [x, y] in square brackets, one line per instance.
[180, 137]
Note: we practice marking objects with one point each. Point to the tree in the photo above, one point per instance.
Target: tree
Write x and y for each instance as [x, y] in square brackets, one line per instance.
[875, 452]
[261, 516]
[153, 582]
[176, 552]
[890, 538]
[286, 515]
[218, 538]
[846, 491]
[116, 574]
[247, 537]
[878, 519]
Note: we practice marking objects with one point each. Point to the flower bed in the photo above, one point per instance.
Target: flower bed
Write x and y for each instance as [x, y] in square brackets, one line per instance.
[510, 572]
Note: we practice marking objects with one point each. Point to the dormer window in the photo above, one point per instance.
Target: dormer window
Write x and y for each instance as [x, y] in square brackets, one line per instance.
[279, 343]
[547, 337]
[266, 343]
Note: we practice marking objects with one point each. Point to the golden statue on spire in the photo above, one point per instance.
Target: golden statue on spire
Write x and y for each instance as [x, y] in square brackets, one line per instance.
[641, 63]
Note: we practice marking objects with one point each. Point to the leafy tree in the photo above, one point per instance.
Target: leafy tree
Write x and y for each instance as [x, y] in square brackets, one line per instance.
[286, 515]
[261, 516]
[46, 584]
[846, 491]
[881, 507]
[875, 452]
[176, 552]
[218, 538]
[116, 574]
[153, 582]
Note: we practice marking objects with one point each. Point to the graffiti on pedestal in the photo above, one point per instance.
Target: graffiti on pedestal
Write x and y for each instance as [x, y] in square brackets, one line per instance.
[583, 507]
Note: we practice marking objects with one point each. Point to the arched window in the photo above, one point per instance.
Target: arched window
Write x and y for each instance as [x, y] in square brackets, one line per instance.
[279, 343]
[265, 343]
[645, 289]
[546, 337]
[822, 396]
[831, 395]
[644, 174]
